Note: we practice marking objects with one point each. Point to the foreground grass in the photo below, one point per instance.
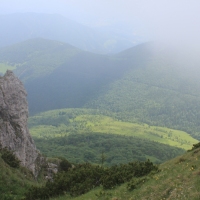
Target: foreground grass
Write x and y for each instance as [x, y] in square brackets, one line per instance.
[14, 182]
[178, 179]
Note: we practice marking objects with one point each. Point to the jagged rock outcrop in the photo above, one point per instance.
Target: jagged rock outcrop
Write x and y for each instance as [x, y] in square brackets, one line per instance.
[14, 133]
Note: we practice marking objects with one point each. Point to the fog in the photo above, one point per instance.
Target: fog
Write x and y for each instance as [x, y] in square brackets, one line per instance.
[164, 20]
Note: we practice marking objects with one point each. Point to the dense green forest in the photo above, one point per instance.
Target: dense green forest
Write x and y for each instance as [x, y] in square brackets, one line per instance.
[85, 177]
[160, 91]
[152, 103]
[116, 149]
[83, 135]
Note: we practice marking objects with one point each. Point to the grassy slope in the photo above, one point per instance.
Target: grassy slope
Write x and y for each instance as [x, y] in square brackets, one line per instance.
[14, 182]
[84, 121]
[177, 179]
[36, 57]
[163, 135]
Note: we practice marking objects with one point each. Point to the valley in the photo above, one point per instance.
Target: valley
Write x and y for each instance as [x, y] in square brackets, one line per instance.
[73, 133]
[107, 111]
[142, 84]
[99, 100]
[137, 94]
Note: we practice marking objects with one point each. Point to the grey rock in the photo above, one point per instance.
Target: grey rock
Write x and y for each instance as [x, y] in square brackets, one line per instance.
[14, 133]
[51, 169]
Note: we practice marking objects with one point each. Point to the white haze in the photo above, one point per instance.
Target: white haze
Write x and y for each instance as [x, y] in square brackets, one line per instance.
[168, 20]
[172, 22]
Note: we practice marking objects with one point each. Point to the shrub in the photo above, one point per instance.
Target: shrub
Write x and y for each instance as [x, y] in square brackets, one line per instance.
[195, 146]
[84, 177]
[10, 158]
[65, 165]
[136, 182]
[76, 181]
[117, 175]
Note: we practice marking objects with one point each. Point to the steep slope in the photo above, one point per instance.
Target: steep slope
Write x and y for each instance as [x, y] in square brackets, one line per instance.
[68, 76]
[20, 27]
[162, 89]
[37, 57]
[176, 179]
[58, 71]
[14, 133]
[14, 182]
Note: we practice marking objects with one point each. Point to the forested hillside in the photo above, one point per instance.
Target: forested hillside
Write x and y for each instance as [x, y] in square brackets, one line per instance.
[85, 135]
[163, 90]
[57, 71]
[36, 57]
[152, 84]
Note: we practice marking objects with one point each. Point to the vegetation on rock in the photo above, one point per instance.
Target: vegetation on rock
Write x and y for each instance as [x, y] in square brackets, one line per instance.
[10, 158]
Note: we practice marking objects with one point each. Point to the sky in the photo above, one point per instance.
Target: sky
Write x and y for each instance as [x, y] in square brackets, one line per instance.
[176, 20]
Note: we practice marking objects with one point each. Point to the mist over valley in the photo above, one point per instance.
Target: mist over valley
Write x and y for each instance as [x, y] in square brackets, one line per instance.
[111, 89]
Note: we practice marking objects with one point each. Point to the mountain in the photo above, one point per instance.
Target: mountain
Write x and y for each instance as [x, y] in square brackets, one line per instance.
[161, 88]
[36, 57]
[142, 84]
[58, 71]
[156, 85]
[65, 74]
[20, 27]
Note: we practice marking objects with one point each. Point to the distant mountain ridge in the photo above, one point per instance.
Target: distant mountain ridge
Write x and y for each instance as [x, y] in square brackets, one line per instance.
[20, 27]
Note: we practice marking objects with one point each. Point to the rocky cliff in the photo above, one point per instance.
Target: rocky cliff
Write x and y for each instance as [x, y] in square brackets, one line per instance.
[14, 133]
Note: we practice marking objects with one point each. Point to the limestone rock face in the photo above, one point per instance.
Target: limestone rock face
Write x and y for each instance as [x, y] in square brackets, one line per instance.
[14, 133]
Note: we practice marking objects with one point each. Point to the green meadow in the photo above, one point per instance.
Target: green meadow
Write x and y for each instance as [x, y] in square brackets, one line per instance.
[104, 124]
[69, 121]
